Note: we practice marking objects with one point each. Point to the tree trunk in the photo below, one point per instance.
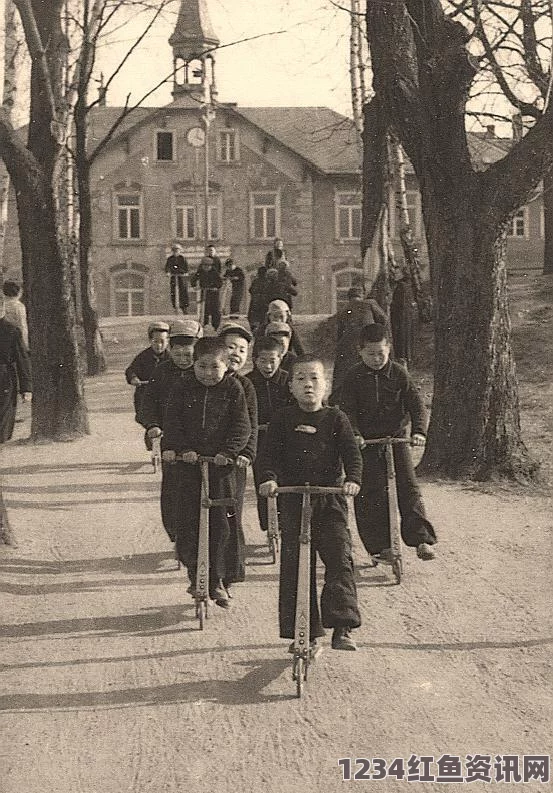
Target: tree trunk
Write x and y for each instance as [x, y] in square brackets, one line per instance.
[548, 224]
[474, 429]
[95, 357]
[6, 535]
[59, 408]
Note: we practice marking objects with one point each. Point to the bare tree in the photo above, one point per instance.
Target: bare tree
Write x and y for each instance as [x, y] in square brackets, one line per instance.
[514, 81]
[59, 409]
[422, 76]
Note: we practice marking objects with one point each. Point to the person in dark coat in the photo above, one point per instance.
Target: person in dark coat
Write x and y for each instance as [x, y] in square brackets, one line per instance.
[237, 279]
[309, 442]
[208, 278]
[379, 397]
[354, 316]
[258, 298]
[279, 311]
[276, 254]
[142, 367]
[207, 415]
[238, 338]
[211, 253]
[15, 374]
[287, 283]
[183, 336]
[403, 318]
[273, 393]
[176, 267]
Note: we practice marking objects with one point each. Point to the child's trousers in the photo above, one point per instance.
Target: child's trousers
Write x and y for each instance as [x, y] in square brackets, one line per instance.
[371, 505]
[330, 536]
[186, 503]
[235, 554]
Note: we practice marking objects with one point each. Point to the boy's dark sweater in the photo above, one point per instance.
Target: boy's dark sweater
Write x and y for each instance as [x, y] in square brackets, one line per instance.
[206, 419]
[272, 393]
[310, 447]
[144, 364]
[156, 393]
[207, 279]
[250, 450]
[378, 402]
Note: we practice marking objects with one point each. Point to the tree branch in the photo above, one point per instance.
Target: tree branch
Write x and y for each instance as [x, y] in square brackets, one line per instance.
[37, 52]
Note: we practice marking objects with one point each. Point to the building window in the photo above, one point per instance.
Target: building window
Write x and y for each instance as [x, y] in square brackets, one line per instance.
[518, 225]
[129, 210]
[348, 216]
[213, 232]
[264, 218]
[229, 150]
[164, 146]
[128, 294]
[343, 282]
[189, 215]
[186, 225]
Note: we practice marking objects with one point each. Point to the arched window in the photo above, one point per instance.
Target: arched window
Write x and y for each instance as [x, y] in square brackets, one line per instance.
[128, 290]
[343, 280]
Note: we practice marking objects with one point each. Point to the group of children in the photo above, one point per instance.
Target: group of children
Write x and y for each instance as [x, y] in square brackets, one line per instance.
[275, 420]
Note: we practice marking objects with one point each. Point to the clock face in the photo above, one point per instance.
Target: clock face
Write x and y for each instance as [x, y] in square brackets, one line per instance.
[196, 136]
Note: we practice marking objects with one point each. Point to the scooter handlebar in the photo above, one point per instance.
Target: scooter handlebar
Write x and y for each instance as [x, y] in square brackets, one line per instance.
[316, 490]
[390, 440]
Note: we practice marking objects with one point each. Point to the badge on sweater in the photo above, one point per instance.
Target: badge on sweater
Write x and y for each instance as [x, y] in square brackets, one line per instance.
[307, 428]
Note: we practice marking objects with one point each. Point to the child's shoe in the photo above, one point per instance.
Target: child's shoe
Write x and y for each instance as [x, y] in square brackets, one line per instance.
[341, 639]
[425, 551]
[220, 595]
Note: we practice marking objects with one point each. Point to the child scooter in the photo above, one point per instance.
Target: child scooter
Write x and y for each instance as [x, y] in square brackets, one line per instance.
[393, 558]
[302, 656]
[155, 451]
[201, 593]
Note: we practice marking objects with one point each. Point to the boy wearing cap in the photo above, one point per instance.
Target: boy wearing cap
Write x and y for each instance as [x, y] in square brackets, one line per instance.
[209, 279]
[237, 279]
[206, 415]
[183, 335]
[283, 333]
[176, 268]
[273, 393]
[279, 311]
[237, 339]
[143, 365]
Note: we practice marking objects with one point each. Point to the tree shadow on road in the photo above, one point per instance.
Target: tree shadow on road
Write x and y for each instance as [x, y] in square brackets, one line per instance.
[129, 565]
[115, 467]
[247, 690]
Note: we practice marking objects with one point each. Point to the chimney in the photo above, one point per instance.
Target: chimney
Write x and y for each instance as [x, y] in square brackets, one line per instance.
[516, 123]
[102, 91]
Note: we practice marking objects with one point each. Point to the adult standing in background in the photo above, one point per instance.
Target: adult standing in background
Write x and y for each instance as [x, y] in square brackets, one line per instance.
[15, 374]
[176, 267]
[258, 298]
[14, 310]
[403, 318]
[276, 254]
[235, 276]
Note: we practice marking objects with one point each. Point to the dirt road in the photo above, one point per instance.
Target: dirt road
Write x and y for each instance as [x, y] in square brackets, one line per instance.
[108, 686]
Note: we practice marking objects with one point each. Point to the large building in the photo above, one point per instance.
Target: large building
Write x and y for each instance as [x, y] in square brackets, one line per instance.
[291, 172]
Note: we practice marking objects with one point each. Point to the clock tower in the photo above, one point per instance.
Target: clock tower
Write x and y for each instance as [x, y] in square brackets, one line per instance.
[193, 43]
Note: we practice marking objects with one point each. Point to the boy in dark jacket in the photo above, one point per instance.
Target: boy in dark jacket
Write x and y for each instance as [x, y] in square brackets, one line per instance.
[282, 332]
[206, 415]
[238, 338]
[209, 279]
[379, 398]
[237, 280]
[307, 442]
[143, 365]
[273, 393]
[183, 335]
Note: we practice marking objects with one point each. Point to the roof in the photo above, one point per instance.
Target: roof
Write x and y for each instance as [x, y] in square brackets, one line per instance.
[321, 136]
[193, 25]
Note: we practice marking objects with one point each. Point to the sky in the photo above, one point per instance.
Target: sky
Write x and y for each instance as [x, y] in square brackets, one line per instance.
[301, 57]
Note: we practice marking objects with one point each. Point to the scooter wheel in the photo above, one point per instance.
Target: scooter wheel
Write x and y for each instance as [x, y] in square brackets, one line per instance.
[397, 570]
